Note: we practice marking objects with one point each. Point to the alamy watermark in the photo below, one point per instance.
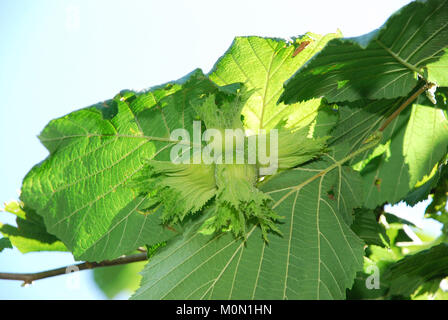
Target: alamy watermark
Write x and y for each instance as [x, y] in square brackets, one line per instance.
[228, 146]
[73, 281]
[373, 280]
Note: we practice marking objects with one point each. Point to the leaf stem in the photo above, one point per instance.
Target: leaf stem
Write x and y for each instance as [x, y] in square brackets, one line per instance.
[370, 142]
[28, 278]
[405, 104]
[399, 59]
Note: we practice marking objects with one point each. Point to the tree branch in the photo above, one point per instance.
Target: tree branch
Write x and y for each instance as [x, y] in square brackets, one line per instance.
[405, 104]
[28, 278]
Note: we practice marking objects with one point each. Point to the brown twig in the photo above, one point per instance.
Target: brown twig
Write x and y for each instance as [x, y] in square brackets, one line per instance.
[28, 278]
[405, 104]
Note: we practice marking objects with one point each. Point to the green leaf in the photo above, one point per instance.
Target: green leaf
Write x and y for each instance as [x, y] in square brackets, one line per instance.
[391, 218]
[30, 234]
[438, 71]
[118, 279]
[82, 189]
[263, 64]
[316, 258]
[414, 140]
[326, 119]
[368, 229]
[422, 190]
[5, 243]
[357, 121]
[409, 273]
[437, 209]
[360, 290]
[419, 141]
[395, 230]
[385, 63]
[439, 294]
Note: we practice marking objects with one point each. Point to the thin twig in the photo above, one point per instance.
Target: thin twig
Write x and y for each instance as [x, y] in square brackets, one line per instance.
[28, 278]
[404, 105]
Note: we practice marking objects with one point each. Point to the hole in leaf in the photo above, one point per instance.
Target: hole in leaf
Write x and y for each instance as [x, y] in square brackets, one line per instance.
[377, 183]
[330, 194]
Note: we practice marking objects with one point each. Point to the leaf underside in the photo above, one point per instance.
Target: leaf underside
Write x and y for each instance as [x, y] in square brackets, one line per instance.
[82, 190]
[316, 258]
[382, 64]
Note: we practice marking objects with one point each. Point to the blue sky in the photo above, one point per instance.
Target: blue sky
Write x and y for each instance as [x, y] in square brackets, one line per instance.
[58, 56]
